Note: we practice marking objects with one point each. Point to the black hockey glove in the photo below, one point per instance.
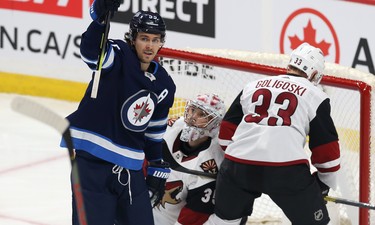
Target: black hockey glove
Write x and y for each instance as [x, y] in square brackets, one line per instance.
[100, 8]
[323, 187]
[157, 174]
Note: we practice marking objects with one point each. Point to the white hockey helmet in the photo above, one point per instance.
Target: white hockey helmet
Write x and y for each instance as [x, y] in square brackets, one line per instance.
[213, 109]
[310, 60]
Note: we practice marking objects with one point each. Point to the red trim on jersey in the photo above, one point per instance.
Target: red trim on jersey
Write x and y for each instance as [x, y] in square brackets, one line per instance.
[187, 158]
[223, 147]
[144, 167]
[261, 163]
[326, 153]
[226, 132]
[190, 217]
[327, 170]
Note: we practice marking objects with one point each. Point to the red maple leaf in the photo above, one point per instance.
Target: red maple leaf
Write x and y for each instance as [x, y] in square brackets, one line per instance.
[141, 109]
[309, 34]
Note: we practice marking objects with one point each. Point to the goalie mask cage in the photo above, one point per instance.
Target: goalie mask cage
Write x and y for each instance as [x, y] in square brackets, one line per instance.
[225, 72]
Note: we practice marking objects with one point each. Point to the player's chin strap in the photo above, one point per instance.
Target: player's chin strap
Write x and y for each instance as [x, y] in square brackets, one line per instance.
[116, 169]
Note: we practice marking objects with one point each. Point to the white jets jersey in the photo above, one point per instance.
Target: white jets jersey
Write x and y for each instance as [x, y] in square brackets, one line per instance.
[270, 122]
[188, 198]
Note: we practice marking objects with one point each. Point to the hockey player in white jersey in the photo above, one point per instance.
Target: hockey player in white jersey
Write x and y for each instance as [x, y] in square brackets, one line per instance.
[264, 133]
[192, 140]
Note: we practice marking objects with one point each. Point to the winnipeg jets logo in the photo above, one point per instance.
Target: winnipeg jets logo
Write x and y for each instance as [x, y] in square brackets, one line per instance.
[141, 111]
[137, 110]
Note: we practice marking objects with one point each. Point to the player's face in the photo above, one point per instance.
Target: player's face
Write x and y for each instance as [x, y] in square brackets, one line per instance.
[147, 46]
[196, 117]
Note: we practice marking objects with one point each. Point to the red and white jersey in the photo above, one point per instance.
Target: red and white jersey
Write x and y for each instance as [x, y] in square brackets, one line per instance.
[188, 198]
[269, 122]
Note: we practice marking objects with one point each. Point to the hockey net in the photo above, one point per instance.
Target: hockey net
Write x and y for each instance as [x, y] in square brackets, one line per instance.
[225, 72]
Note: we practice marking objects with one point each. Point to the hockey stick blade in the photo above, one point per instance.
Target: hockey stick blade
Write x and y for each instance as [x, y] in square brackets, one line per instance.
[39, 112]
[349, 202]
[168, 157]
[36, 111]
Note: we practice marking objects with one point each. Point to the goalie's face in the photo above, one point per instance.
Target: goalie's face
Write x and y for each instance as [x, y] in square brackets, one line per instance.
[202, 118]
[197, 117]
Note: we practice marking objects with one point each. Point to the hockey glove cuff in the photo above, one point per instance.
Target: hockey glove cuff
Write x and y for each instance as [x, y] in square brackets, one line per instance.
[323, 187]
[157, 174]
[99, 8]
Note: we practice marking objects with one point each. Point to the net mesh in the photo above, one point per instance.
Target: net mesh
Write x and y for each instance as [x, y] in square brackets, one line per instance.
[222, 76]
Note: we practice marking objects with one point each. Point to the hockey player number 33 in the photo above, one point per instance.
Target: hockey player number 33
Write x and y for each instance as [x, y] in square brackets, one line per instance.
[261, 111]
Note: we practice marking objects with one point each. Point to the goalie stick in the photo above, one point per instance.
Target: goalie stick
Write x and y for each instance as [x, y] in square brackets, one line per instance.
[96, 73]
[168, 157]
[36, 111]
[349, 202]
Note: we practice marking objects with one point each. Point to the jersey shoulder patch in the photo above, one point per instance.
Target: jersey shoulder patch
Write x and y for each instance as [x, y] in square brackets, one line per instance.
[210, 166]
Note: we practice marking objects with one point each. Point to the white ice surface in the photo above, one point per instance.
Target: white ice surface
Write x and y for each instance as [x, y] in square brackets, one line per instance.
[34, 170]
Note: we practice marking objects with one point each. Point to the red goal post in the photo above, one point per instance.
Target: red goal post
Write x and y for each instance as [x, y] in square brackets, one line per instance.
[225, 72]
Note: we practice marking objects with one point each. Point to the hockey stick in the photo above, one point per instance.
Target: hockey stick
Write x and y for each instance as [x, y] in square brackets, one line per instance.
[349, 202]
[36, 111]
[168, 157]
[97, 72]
